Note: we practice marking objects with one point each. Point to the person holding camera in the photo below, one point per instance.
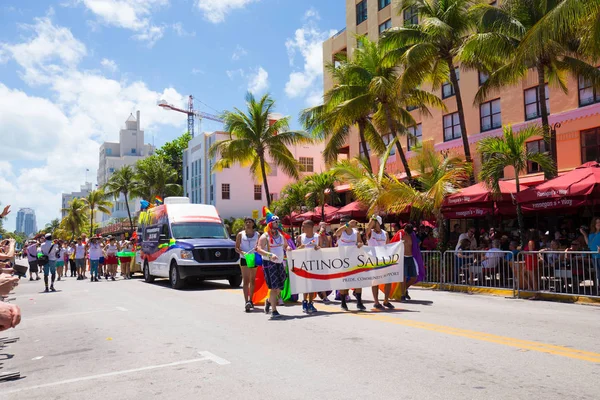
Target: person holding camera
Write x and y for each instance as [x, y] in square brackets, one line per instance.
[32, 252]
[48, 260]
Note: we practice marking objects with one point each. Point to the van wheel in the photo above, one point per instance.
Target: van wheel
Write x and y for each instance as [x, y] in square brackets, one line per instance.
[147, 277]
[235, 281]
[176, 281]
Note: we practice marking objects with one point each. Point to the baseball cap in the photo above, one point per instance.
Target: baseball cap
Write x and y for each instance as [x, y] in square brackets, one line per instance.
[48, 236]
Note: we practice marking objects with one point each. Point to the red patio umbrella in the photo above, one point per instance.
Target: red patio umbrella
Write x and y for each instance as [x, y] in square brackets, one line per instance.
[579, 187]
[353, 210]
[478, 201]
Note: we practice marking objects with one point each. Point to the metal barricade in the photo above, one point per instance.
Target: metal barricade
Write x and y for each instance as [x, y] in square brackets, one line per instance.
[479, 268]
[433, 261]
[573, 273]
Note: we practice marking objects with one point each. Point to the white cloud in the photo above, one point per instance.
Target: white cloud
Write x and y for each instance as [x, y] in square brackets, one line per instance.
[238, 53]
[216, 10]
[198, 71]
[259, 81]
[60, 134]
[129, 14]
[180, 30]
[110, 65]
[232, 74]
[307, 42]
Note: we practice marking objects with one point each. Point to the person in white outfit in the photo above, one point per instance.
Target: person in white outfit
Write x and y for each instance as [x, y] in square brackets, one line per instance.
[347, 235]
[245, 243]
[378, 237]
[309, 240]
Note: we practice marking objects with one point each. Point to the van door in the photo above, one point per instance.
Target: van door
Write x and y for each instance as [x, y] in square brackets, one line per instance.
[162, 262]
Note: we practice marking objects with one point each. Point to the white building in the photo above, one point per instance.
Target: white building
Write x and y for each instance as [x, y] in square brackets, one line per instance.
[114, 156]
[234, 191]
[84, 190]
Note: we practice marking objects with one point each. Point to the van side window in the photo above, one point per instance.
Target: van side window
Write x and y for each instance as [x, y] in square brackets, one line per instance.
[165, 231]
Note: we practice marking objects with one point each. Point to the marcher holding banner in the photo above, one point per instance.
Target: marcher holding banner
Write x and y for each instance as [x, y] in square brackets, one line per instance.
[245, 243]
[378, 237]
[309, 240]
[347, 235]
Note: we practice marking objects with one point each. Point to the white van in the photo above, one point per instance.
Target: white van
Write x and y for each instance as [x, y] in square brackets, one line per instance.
[183, 241]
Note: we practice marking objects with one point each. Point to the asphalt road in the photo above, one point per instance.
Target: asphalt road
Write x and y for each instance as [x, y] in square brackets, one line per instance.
[132, 340]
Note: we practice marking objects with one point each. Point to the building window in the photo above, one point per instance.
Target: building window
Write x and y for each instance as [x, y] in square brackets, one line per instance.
[590, 145]
[384, 3]
[212, 193]
[385, 26]
[415, 135]
[483, 77]
[448, 88]
[490, 116]
[411, 16]
[132, 151]
[451, 127]
[272, 170]
[225, 194]
[537, 146]
[111, 170]
[587, 93]
[306, 164]
[361, 12]
[109, 152]
[387, 139]
[257, 192]
[532, 103]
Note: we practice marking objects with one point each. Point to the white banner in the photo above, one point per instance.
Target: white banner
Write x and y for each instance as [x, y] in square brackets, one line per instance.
[345, 267]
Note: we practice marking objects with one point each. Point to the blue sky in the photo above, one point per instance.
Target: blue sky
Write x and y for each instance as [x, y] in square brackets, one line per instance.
[71, 71]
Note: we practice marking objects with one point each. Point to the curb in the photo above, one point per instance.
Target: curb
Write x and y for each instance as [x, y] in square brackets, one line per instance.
[561, 298]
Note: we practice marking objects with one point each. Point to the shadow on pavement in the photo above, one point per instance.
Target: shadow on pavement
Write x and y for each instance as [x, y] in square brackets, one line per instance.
[421, 302]
[193, 286]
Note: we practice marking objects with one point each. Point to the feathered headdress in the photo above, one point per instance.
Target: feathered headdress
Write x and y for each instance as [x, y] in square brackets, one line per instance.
[274, 224]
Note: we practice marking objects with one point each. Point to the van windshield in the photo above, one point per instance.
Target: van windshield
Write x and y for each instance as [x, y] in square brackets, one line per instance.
[199, 230]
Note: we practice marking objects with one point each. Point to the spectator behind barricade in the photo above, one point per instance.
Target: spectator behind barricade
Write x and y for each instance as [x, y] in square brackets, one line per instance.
[532, 263]
[463, 257]
[430, 242]
[453, 237]
[504, 243]
[552, 256]
[470, 236]
[592, 241]
[545, 243]
[493, 256]
[514, 250]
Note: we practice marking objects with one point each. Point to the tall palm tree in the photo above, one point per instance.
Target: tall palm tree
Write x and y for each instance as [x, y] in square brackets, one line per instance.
[321, 186]
[379, 72]
[96, 200]
[253, 139]
[122, 181]
[439, 176]
[510, 150]
[345, 105]
[75, 218]
[52, 226]
[508, 41]
[367, 187]
[429, 50]
[154, 177]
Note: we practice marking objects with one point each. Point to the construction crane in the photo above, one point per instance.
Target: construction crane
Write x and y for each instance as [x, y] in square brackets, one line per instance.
[191, 113]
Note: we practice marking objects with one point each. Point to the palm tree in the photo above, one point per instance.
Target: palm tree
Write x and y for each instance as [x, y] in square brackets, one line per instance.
[429, 50]
[75, 218]
[321, 186]
[509, 43]
[96, 200]
[380, 74]
[52, 226]
[439, 176]
[154, 177]
[253, 139]
[367, 187]
[510, 150]
[293, 197]
[123, 181]
[345, 105]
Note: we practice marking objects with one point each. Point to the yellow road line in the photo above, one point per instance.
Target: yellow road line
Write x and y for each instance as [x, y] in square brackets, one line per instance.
[481, 336]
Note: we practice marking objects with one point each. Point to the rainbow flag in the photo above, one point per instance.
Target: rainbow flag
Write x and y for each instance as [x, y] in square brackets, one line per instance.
[158, 200]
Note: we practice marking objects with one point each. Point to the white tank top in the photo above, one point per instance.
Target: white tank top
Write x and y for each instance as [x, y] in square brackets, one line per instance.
[348, 240]
[309, 242]
[111, 249]
[276, 246]
[377, 239]
[247, 244]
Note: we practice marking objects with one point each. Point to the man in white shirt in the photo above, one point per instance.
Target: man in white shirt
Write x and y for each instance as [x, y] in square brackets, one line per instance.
[493, 256]
[32, 251]
[49, 249]
[80, 259]
[470, 235]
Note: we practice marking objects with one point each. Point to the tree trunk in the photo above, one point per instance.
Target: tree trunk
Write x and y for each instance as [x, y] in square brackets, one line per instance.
[461, 112]
[91, 221]
[128, 214]
[520, 213]
[549, 134]
[393, 132]
[441, 231]
[363, 141]
[264, 177]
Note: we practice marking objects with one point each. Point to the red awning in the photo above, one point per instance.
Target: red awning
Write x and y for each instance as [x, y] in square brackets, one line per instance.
[477, 201]
[352, 210]
[578, 187]
[328, 210]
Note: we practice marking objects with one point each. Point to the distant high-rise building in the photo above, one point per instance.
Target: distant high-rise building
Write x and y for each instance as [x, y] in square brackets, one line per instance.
[113, 156]
[26, 222]
[84, 190]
